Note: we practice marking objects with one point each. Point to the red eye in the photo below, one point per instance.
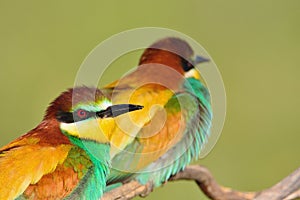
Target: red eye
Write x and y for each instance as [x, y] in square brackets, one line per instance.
[81, 113]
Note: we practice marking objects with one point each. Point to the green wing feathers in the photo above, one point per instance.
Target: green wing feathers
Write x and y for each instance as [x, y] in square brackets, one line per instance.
[194, 102]
[192, 111]
[34, 170]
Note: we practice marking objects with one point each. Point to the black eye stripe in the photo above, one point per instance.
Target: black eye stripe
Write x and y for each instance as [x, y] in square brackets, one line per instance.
[65, 117]
[71, 117]
[186, 65]
[88, 114]
[111, 111]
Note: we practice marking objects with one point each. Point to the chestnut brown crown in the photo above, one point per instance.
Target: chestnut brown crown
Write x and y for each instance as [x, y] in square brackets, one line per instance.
[72, 97]
[173, 52]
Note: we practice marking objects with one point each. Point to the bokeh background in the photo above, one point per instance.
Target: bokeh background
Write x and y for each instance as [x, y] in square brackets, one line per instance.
[255, 44]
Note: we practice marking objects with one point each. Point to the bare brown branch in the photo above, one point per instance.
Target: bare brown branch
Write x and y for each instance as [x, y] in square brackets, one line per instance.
[286, 189]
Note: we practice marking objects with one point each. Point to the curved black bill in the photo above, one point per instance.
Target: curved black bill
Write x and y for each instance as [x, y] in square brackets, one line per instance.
[119, 109]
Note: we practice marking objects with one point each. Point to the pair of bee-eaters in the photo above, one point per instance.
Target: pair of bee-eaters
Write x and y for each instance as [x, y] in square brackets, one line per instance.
[147, 127]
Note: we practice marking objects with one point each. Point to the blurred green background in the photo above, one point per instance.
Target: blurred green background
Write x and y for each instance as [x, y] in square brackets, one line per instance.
[256, 45]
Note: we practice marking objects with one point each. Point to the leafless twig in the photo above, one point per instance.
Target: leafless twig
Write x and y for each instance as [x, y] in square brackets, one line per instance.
[286, 189]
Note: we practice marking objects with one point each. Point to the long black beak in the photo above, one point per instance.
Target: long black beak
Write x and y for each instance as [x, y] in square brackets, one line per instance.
[199, 59]
[119, 109]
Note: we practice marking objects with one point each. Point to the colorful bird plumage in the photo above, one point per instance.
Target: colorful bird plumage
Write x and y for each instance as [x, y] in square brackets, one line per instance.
[86, 141]
[57, 161]
[175, 123]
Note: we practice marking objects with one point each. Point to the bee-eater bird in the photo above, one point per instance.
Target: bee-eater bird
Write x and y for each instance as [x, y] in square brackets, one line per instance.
[67, 155]
[175, 122]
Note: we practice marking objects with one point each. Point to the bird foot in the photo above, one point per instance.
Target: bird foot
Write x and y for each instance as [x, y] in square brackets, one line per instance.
[148, 189]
